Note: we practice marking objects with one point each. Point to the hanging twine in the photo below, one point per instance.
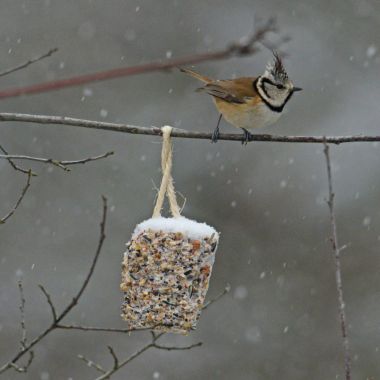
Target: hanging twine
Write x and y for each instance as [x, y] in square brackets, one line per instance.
[167, 184]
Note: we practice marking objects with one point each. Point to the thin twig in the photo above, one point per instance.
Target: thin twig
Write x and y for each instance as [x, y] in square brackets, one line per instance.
[50, 302]
[249, 47]
[123, 363]
[22, 313]
[176, 348]
[53, 326]
[114, 356]
[218, 297]
[14, 166]
[100, 329]
[60, 164]
[24, 368]
[91, 364]
[129, 330]
[19, 200]
[102, 236]
[152, 344]
[176, 132]
[338, 272]
[29, 62]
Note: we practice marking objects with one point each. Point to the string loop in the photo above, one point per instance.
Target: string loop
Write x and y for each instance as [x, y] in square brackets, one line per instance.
[167, 183]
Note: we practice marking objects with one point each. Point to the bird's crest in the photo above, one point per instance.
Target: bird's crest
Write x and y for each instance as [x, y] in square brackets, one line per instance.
[276, 69]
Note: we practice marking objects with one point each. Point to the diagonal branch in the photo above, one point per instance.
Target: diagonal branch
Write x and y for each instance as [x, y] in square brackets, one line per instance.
[239, 49]
[50, 302]
[19, 200]
[14, 166]
[114, 357]
[60, 164]
[176, 132]
[102, 237]
[92, 364]
[338, 272]
[12, 363]
[28, 63]
[118, 364]
[226, 289]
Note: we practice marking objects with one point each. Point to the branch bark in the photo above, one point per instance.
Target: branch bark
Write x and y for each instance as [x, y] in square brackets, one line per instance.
[179, 133]
[239, 49]
[60, 164]
[28, 63]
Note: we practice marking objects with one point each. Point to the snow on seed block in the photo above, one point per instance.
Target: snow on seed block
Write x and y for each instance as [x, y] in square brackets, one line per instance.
[166, 272]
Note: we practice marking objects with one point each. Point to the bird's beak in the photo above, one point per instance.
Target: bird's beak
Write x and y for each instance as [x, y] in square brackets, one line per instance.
[295, 89]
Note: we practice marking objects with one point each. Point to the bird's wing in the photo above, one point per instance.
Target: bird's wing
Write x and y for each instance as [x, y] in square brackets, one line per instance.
[231, 91]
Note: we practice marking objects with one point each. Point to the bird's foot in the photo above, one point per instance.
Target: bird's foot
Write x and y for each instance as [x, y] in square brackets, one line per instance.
[215, 135]
[246, 137]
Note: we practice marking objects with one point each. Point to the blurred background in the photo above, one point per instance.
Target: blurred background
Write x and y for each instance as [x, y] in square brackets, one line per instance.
[280, 319]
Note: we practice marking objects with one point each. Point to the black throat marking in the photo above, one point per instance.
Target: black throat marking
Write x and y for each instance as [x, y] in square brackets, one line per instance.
[270, 106]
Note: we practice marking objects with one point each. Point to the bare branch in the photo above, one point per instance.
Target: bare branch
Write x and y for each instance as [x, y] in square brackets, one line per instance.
[176, 348]
[28, 63]
[12, 362]
[218, 297]
[102, 236]
[91, 364]
[19, 200]
[114, 356]
[88, 159]
[181, 133]
[109, 373]
[152, 344]
[338, 273]
[14, 166]
[99, 329]
[50, 302]
[24, 368]
[60, 164]
[239, 49]
[22, 313]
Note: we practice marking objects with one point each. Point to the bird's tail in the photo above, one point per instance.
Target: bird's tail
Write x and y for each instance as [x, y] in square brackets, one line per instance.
[196, 75]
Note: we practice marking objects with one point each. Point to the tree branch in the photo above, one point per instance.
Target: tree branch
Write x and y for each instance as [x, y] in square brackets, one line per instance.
[60, 164]
[28, 63]
[238, 49]
[152, 344]
[22, 313]
[338, 272]
[176, 132]
[127, 331]
[99, 329]
[19, 200]
[218, 297]
[176, 348]
[14, 166]
[91, 364]
[50, 303]
[12, 363]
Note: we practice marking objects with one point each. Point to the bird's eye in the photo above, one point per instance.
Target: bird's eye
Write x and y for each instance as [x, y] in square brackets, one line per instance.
[280, 86]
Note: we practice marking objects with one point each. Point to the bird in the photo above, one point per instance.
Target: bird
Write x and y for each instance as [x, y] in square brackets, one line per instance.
[249, 102]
